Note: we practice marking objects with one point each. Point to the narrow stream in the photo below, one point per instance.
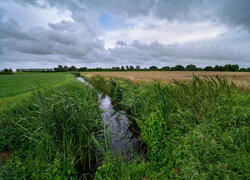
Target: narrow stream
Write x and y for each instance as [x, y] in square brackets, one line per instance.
[124, 137]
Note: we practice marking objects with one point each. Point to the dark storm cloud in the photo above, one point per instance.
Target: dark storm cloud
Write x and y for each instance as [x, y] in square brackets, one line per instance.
[11, 29]
[42, 41]
[78, 41]
[156, 51]
[233, 12]
[28, 2]
[170, 9]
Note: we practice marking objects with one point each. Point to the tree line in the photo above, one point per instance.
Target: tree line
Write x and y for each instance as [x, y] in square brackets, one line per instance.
[6, 71]
[190, 67]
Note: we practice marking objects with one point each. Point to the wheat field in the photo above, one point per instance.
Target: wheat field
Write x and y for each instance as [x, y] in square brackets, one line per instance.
[240, 78]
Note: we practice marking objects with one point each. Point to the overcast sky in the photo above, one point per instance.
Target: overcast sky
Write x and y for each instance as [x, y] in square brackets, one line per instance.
[106, 33]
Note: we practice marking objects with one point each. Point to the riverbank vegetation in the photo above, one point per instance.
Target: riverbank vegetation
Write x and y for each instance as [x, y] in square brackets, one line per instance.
[53, 134]
[195, 130]
[192, 130]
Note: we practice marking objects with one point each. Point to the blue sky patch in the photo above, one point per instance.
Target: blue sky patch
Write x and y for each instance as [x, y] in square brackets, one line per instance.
[108, 22]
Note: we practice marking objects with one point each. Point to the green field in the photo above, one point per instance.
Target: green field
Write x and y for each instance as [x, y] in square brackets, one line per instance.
[192, 130]
[17, 87]
[12, 85]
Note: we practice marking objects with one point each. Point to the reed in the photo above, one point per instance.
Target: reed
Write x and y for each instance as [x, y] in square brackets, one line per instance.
[62, 126]
[193, 129]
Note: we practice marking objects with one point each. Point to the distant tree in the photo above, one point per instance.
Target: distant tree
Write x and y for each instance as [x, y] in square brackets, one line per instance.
[72, 68]
[99, 69]
[138, 68]
[190, 67]
[127, 67]
[242, 69]
[230, 67]
[60, 68]
[131, 68]
[166, 68]
[65, 68]
[235, 67]
[218, 68]
[153, 68]
[178, 68]
[208, 68]
[83, 69]
[115, 69]
[6, 71]
[122, 68]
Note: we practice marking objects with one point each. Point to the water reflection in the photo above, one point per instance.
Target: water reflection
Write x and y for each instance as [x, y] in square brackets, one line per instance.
[123, 132]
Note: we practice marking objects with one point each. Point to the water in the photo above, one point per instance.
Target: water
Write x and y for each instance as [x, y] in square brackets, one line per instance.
[123, 132]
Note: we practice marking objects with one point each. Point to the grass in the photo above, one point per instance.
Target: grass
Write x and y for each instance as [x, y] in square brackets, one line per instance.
[16, 88]
[53, 135]
[195, 130]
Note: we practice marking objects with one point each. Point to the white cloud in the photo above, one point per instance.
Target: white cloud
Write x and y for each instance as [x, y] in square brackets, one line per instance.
[31, 16]
[148, 29]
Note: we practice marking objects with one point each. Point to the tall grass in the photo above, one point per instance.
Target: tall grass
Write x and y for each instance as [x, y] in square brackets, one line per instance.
[62, 127]
[193, 130]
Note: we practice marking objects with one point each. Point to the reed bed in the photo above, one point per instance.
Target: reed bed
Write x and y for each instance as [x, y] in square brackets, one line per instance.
[193, 130]
[54, 136]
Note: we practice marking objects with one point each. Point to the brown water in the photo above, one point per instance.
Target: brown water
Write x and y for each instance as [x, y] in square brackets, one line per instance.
[123, 131]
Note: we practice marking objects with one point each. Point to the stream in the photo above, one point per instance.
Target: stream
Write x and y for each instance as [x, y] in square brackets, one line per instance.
[124, 137]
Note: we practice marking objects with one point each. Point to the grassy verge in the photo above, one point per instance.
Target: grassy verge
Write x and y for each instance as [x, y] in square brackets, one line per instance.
[53, 134]
[195, 130]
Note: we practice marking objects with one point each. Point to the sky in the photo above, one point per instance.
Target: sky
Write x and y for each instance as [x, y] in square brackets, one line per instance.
[108, 33]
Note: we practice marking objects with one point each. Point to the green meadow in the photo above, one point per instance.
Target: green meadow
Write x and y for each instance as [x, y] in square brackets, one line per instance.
[17, 87]
[12, 85]
[192, 130]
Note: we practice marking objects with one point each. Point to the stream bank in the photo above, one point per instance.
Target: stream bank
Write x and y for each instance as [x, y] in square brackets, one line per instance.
[124, 138]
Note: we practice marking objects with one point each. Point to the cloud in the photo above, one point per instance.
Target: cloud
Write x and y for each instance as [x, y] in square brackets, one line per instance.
[148, 29]
[155, 52]
[39, 41]
[120, 43]
[12, 29]
[228, 12]
[144, 32]
[231, 12]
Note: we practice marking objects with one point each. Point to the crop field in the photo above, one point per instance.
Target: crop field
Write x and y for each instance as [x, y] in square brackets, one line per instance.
[241, 78]
[194, 129]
